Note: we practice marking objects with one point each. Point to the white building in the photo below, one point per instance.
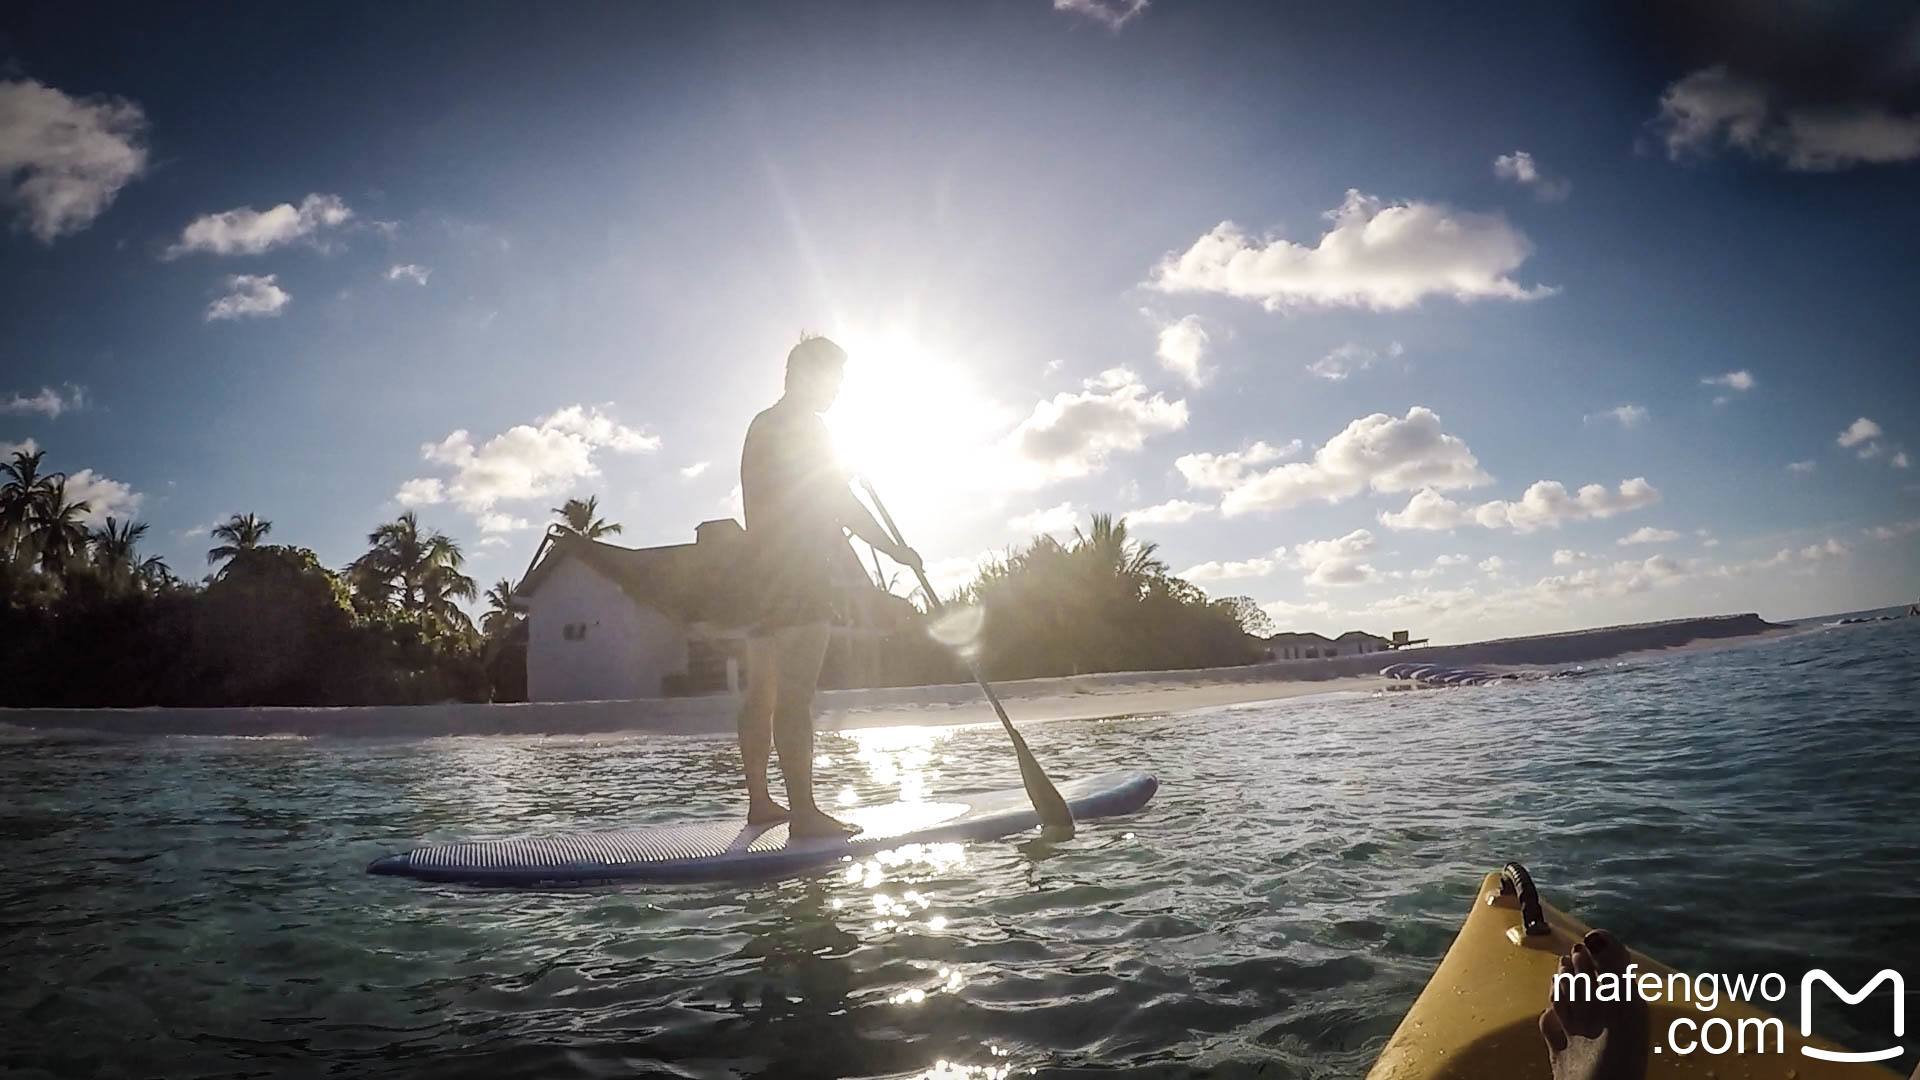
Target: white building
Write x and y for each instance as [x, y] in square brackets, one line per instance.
[613, 623]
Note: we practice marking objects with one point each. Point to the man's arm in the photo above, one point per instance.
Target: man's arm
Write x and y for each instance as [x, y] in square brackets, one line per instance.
[855, 516]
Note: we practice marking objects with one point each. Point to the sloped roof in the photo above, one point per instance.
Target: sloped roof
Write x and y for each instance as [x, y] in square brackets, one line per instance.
[691, 583]
[686, 581]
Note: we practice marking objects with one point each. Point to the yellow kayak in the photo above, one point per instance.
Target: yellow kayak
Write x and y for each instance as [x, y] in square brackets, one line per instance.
[1479, 1015]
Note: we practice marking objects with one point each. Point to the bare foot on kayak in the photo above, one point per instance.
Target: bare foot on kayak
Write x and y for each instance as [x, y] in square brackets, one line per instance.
[810, 823]
[1596, 1040]
[766, 812]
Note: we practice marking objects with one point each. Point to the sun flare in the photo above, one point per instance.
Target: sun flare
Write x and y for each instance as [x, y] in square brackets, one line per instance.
[911, 419]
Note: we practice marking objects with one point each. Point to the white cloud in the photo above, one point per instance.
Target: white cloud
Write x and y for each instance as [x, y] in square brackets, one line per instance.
[1628, 416]
[694, 470]
[1713, 106]
[949, 575]
[1492, 564]
[1060, 518]
[495, 522]
[1861, 431]
[64, 159]
[1347, 360]
[1376, 255]
[49, 402]
[1182, 349]
[421, 491]
[1228, 469]
[1285, 613]
[246, 231]
[1072, 434]
[413, 272]
[1568, 556]
[494, 542]
[1258, 566]
[104, 497]
[1377, 452]
[526, 461]
[1801, 467]
[1114, 13]
[1899, 460]
[1544, 505]
[1340, 561]
[1647, 534]
[1520, 168]
[251, 296]
[1171, 512]
[1891, 532]
[1732, 380]
[1831, 549]
[1440, 564]
[8, 449]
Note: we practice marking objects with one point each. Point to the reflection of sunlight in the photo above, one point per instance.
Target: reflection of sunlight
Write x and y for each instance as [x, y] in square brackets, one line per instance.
[908, 863]
[953, 1070]
[950, 983]
[900, 756]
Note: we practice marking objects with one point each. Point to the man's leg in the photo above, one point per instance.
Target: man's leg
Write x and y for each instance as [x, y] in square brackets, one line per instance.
[800, 651]
[755, 722]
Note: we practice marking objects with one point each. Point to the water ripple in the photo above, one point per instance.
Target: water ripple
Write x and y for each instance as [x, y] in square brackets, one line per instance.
[196, 907]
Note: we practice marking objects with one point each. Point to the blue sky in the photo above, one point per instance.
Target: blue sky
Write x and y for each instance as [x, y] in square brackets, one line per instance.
[1351, 308]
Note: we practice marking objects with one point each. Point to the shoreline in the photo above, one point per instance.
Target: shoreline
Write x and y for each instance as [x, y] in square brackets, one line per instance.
[1068, 697]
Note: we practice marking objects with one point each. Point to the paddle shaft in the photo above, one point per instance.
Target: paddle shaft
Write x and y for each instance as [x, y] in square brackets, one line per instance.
[1047, 801]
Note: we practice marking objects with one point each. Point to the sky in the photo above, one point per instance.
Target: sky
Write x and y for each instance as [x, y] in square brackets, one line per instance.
[1465, 322]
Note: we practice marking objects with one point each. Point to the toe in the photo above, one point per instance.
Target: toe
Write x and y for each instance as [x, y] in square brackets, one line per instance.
[1583, 960]
[1553, 1031]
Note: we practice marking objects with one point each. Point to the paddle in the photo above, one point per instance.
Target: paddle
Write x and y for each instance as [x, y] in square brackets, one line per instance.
[1056, 819]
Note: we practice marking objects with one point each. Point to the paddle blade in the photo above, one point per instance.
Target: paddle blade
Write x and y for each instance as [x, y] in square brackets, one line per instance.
[1056, 817]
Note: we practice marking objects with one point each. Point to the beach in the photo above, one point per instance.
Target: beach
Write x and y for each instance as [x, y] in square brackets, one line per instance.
[1070, 697]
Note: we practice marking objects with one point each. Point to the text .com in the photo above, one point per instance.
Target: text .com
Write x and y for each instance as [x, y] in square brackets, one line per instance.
[1745, 1035]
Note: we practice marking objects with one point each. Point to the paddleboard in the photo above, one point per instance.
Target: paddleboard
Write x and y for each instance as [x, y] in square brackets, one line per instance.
[726, 850]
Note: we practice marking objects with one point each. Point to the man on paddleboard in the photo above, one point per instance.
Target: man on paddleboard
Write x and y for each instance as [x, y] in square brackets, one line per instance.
[798, 506]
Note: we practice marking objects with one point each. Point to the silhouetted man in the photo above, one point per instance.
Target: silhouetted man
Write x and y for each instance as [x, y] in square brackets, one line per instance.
[797, 502]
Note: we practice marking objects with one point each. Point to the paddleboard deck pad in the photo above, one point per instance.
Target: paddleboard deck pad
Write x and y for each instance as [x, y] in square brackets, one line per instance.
[729, 851]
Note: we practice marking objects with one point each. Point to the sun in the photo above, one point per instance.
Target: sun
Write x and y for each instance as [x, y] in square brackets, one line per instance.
[911, 419]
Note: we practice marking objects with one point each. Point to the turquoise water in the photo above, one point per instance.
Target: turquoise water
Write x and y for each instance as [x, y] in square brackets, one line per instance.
[196, 907]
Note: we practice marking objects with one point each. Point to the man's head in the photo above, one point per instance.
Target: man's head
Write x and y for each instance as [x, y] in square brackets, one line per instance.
[815, 368]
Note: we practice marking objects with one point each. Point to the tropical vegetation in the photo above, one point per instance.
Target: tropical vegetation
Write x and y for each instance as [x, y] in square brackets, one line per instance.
[1104, 602]
[88, 619]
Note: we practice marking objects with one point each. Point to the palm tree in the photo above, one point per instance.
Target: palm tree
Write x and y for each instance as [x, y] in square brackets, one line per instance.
[241, 531]
[577, 519]
[113, 550]
[58, 533]
[500, 614]
[1117, 555]
[22, 497]
[441, 582]
[421, 569]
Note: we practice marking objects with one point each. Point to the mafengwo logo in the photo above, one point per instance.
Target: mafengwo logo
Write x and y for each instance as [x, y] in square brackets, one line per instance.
[1887, 975]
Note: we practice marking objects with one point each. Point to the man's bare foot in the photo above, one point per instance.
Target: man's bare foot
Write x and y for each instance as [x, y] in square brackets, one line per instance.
[814, 822]
[766, 812]
[1596, 1040]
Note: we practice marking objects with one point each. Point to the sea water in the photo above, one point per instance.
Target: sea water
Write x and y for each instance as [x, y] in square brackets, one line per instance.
[195, 907]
